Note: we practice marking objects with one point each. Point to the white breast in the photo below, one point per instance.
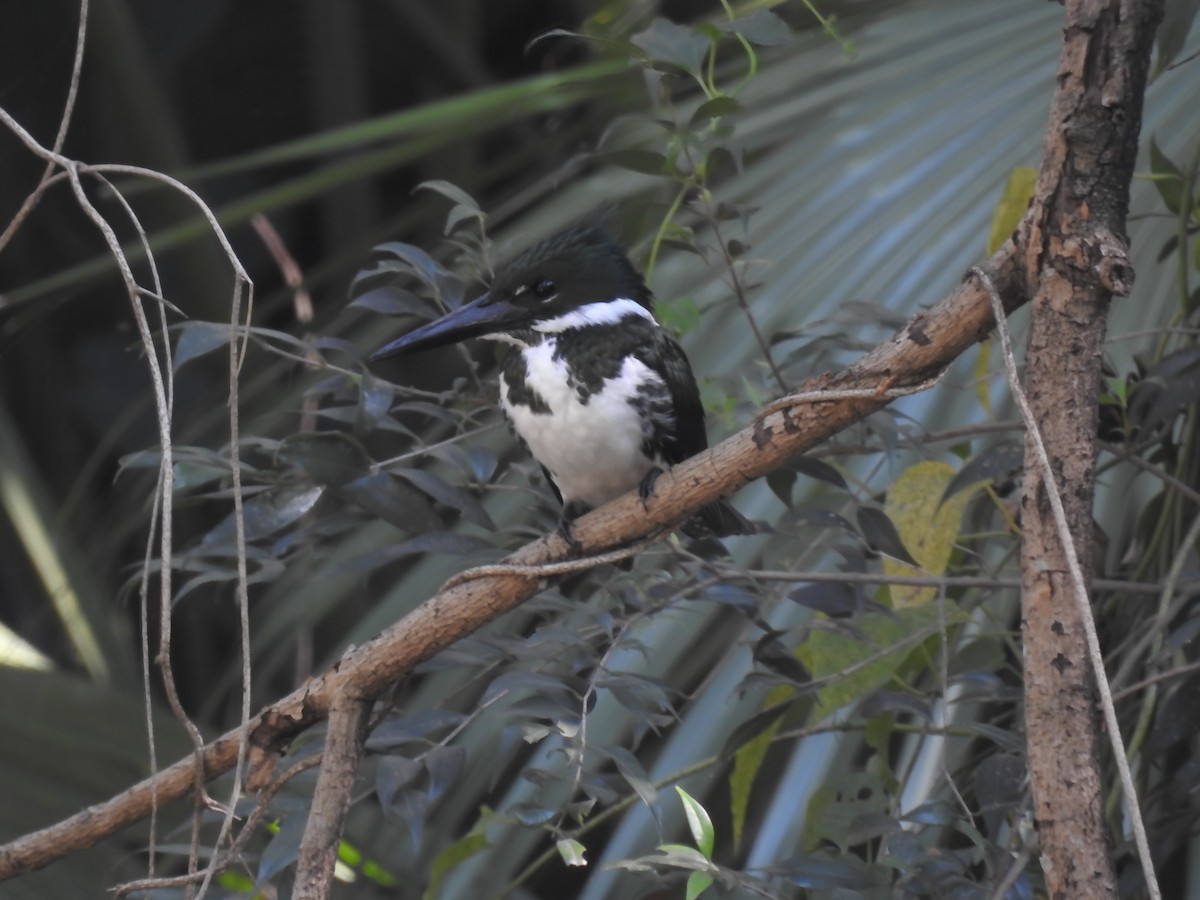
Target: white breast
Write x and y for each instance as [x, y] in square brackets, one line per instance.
[593, 451]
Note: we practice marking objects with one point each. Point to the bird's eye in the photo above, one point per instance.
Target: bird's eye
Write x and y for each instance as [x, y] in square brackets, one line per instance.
[545, 289]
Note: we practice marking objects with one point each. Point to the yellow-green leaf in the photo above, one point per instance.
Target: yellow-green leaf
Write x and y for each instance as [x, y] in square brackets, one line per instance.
[1167, 178]
[928, 527]
[746, 762]
[464, 848]
[983, 362]
[827, 653]
[1013, 203]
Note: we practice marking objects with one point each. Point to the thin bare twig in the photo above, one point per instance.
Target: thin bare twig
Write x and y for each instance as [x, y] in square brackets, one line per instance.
[165, 488]
[546, 570]
[832, 394]
[942, 581]
[1166, 675]
[1153, 637]
[293, 277]
[261, 807]
[739, 293]
[64, 124]
[1010, 877]
[166, 481]
[242, 286]
[302, 311]
[144, 587]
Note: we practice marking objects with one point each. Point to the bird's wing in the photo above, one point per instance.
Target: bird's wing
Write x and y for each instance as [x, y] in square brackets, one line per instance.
[688, 436]
[550, 481]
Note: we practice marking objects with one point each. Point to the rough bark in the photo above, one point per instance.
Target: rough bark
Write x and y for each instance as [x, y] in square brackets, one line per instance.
[331, 799]
[1074, 249]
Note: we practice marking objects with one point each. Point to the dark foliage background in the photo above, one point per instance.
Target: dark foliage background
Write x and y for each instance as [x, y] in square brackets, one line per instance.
[847, 189]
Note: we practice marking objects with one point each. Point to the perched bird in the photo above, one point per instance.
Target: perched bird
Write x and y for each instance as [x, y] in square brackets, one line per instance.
[602, 395]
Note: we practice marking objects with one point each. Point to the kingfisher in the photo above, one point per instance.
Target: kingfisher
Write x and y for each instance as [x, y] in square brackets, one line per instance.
[601, 394]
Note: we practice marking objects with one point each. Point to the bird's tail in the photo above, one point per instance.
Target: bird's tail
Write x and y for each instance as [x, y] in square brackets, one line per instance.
[718, 520]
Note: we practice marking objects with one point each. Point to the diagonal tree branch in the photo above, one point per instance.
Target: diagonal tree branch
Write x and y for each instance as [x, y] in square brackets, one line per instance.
[923, 348]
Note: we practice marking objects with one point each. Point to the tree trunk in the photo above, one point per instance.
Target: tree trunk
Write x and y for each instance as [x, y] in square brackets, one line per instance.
[1074, 241]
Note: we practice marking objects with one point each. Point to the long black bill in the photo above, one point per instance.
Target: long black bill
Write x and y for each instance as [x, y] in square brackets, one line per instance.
[477, 318]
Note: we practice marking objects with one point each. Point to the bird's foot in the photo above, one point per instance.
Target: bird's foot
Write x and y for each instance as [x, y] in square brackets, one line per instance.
[646, 487]
[572, 510]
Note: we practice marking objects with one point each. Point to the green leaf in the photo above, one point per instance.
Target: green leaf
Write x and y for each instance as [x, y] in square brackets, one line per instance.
[820, 470]
[1167, 178]
[747, 761]
[675, 45]
[683, 857]
[392, 500]
[849, 873]
[1172, 33]
[453, 193]
[980, 369]
[461, 850]
[444, 765]
[267, 513]
[392, 774]
[699, 822]
[465, 206]
[377, 873]
[283, 849]
[715, 108]
[994, 465]
[635, 775]
[1013, 203]
[835, 599]
[328, 457]
[425, 542]
[448, 494]
[194, 474]
[829, 653]
[412, 259]
[679, 316]
[571, 851]
[644, 162]
[236, 882]
[390, 300]
[762, 28]
[838, 803]
[197, 339]
[881, 534]
[697, 884]
[781, 482]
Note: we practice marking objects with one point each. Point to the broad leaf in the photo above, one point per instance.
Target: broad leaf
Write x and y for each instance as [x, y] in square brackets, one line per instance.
[928, 526]
[699, 822]
[1012, 206]
[267, 513]
[665, 42]
[328, 457]
[881, 534]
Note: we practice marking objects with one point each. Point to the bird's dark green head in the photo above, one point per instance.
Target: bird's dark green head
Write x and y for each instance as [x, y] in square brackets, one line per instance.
[581, 265]
[576, 277]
